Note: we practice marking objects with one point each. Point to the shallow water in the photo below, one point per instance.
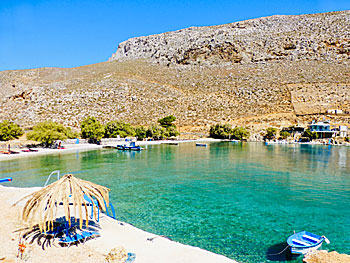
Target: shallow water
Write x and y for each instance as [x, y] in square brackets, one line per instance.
[241, 200]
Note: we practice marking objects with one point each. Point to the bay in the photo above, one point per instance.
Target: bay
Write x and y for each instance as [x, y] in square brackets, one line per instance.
[241, 200]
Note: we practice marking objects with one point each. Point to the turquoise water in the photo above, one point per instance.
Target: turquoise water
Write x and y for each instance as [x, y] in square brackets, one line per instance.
[241, 200]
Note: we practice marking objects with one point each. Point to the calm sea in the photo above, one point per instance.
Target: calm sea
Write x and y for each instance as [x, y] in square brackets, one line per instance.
[241, 200]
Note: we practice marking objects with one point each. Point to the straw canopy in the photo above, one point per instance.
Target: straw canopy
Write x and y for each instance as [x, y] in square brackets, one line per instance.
[69, 191]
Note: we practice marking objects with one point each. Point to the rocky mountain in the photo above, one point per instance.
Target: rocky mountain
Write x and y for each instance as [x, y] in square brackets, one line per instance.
[273, 71]
[314, 37]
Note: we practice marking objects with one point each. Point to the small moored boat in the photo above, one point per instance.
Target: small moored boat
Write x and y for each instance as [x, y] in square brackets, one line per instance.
[304, 242]
[131, 147]
[201, 144]
[7, 179]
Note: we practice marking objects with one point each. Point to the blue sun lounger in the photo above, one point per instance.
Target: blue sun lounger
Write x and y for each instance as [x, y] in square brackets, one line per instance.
[88, 234]
[73, 238]
[60, 229]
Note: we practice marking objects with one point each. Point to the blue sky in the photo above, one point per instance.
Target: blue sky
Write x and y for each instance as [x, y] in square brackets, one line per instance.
[70, 33]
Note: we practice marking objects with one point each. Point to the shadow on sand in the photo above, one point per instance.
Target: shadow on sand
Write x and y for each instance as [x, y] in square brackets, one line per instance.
[46, 239]
[280, 252]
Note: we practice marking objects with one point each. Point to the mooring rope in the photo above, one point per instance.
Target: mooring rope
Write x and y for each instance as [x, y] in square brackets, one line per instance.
[279, 252]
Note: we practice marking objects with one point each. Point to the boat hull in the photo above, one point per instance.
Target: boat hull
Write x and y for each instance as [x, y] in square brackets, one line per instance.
[304, 242]
[129, 148]
[304, 251]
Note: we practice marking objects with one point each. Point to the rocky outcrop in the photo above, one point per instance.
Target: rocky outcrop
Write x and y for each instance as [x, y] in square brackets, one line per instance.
[312, 37]
[323, 256]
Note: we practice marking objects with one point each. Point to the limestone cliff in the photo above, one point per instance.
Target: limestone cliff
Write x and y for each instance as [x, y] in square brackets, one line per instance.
[313, 37]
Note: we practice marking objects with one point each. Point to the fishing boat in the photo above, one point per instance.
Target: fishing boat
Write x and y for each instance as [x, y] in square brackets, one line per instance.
[201, 144]
[130, 147]
[305, 242]
[7, 179]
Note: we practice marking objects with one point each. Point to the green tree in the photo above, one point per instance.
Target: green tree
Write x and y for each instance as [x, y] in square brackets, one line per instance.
[271, 133]
[140, 132]
[48, 131]
[171, 132]
[9, 131]
[240, 133]
[92, 129]
[115, 128]
[220, 131]
[311, 135]
[167, 121]
[156, 132]
[284, 134]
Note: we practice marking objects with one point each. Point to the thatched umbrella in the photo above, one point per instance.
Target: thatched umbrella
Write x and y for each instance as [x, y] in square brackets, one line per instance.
[69, 191]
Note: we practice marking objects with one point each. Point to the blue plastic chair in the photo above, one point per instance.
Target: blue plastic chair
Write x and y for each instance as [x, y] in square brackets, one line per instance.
[110, 211]
[93, 203]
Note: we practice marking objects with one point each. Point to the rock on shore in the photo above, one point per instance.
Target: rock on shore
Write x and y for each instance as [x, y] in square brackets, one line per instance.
[322, 256]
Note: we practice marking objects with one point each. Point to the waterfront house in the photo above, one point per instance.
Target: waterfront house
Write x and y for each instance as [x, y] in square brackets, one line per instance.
[323, 129]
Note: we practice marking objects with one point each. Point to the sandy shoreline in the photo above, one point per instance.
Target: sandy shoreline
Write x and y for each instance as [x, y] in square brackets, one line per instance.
[69, 148]
[113, 234]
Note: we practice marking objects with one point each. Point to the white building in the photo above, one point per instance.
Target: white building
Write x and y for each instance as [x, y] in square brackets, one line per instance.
[343, 131]
[335, 111]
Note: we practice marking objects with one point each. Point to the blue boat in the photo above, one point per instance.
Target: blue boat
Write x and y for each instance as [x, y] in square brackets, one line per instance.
[8, 179]
[201, 144]
[130, 147]
[305, 242]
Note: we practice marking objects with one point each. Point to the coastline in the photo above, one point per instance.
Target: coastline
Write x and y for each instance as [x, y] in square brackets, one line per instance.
[69, 148]
[113, 234]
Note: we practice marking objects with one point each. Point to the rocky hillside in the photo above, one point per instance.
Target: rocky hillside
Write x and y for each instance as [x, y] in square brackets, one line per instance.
[276, 90]
[313, 37]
